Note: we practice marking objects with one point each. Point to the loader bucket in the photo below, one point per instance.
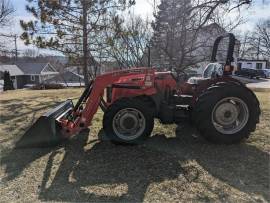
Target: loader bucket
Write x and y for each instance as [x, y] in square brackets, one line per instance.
[46, 130]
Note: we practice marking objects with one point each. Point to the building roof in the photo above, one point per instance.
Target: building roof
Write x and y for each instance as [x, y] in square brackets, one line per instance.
[31, 68]
[66, 77]
[12, 69]
[253, 60]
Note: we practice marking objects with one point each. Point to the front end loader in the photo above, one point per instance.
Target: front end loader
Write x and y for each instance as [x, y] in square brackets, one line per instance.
[222, 108]
[46, 131]
[67, 119]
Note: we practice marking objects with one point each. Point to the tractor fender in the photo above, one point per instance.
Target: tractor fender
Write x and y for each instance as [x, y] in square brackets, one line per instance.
[205, 85]
[153, 102]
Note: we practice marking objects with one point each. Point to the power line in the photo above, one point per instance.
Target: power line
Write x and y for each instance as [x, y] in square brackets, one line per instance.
[15, 37]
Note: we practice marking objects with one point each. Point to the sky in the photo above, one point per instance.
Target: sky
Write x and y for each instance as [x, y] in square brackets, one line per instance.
[252, 15]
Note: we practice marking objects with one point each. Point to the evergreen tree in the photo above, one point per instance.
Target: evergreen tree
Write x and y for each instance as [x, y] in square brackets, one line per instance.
[8, 84]
[180, 39]
[73, 27]
[170, 32]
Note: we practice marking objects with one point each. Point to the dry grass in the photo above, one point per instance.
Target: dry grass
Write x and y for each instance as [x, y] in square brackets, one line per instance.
[174, 165]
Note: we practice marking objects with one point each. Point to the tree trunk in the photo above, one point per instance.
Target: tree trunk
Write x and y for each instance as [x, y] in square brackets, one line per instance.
[85, 43]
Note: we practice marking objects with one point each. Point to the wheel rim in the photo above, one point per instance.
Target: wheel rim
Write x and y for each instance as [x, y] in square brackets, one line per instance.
[230, 115]
[129, 124]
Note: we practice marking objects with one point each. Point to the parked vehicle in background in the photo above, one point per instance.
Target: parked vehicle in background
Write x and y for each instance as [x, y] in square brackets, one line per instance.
[268, 72]
[261, 73]
[252, 64]
[250, 73]
[264, 73]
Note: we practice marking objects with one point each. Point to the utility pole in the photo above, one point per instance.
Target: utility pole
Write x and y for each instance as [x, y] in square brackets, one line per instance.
[258, 48]
[15, 43]
[155, 7]
[16, 48]
[149, 56]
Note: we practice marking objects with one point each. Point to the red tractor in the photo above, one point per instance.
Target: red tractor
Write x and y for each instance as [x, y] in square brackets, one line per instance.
[219, 106]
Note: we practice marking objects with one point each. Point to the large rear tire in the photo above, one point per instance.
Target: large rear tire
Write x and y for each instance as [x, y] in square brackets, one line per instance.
[128, 121]
[226, 113]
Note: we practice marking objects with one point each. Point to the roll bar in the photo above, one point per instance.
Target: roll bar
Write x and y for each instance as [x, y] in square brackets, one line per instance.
[230, 51]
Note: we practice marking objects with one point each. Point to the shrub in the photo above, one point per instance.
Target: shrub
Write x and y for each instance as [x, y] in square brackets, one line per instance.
[8, 84]
[47, 86]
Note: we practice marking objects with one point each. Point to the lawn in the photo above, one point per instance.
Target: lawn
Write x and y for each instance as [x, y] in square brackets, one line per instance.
[174, 165]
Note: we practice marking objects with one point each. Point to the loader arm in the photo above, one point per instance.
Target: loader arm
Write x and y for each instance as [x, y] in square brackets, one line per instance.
[80, 117]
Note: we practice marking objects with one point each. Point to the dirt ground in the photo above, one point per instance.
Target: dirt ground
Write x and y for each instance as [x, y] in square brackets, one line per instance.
[174, 165]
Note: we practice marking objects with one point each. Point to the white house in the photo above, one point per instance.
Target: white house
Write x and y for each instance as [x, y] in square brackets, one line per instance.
[14, 72]
[25, 74]
[253, 64]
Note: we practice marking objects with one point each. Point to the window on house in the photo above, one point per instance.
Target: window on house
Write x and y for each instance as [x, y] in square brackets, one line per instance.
[259, 66]
[33, 78]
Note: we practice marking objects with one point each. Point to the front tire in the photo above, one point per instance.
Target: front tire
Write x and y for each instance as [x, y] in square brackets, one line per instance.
[226, 113]
[128, 121]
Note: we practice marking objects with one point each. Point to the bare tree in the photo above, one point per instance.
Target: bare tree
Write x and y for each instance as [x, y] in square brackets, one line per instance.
[223, 17]
[256, 44]
[6, 11]
[30, 53]
[8, 42]
[261, 39]
[128, 41]
[245, 48]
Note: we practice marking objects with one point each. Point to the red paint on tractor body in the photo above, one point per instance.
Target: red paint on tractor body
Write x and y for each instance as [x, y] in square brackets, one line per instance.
[83, 117]
[136, 82]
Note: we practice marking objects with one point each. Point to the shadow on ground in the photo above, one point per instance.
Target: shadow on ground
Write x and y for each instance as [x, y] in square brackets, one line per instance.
[110, 173]
[242, 166]
[17, 115]
[15, 106]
